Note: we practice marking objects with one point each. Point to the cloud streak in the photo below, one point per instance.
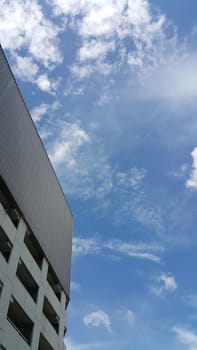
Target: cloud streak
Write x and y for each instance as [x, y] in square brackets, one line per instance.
[89, 246]
[186, 337]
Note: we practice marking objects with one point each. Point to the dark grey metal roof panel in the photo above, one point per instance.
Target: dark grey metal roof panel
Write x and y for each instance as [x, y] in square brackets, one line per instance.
[28, 173]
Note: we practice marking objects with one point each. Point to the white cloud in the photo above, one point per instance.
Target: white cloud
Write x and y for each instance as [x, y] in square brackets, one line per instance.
[95, 50]
[192, 181]
[85, 246]
[89, 246]
[47, 85]
[186, 337]
[109, 26]
[24, 26]
[97, 319]
[139, 250]
[44, 109]
[72, 138]
[164, 283]
[72, 151]
[32, 40]
[25, 68]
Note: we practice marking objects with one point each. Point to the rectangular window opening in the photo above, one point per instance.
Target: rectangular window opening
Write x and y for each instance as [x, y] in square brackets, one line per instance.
[50, 314]
[14, 215]
[20, 321]
[27, 280]
[34, 248]
[54, 282]
[1, 287]
[9, 204]
[44, 344]
[5, 245]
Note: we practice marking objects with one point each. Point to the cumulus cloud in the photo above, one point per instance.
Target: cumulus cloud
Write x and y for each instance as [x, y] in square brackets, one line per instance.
[25, 68]
[32, 40]
[109, 26]
[186, 337]
[97, 319]
[46, 84]
[192, 181]
[164, 283]
[24, 26]
[89, 246]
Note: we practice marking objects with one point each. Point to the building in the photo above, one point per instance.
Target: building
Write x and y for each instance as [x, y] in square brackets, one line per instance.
[35, 231]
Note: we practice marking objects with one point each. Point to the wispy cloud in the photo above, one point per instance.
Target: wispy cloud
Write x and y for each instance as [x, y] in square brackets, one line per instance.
[140, 250]
[85, 246]
[127, 314]
[89, 246]
[186, 337]
[97, 319]
[66, 148]
[72, 151]
[190, 300]
[164, 283]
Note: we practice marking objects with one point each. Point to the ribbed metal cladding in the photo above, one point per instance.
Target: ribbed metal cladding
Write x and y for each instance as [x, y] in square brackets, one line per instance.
[27, 171]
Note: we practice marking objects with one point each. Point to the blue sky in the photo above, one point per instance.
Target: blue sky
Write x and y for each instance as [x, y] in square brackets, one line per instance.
[112, 87]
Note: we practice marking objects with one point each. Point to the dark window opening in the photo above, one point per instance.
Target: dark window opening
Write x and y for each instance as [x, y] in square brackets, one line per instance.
[27, 280]
[5, 245]
[1, 287]
[50, 314]
[54, 282]
[34, 248]
[44, 344]
[20, 321]
[9, 204]
[14, 215]
[2, 347]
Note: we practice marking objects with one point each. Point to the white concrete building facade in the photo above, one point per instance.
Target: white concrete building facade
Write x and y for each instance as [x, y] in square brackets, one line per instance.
[32, 311]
